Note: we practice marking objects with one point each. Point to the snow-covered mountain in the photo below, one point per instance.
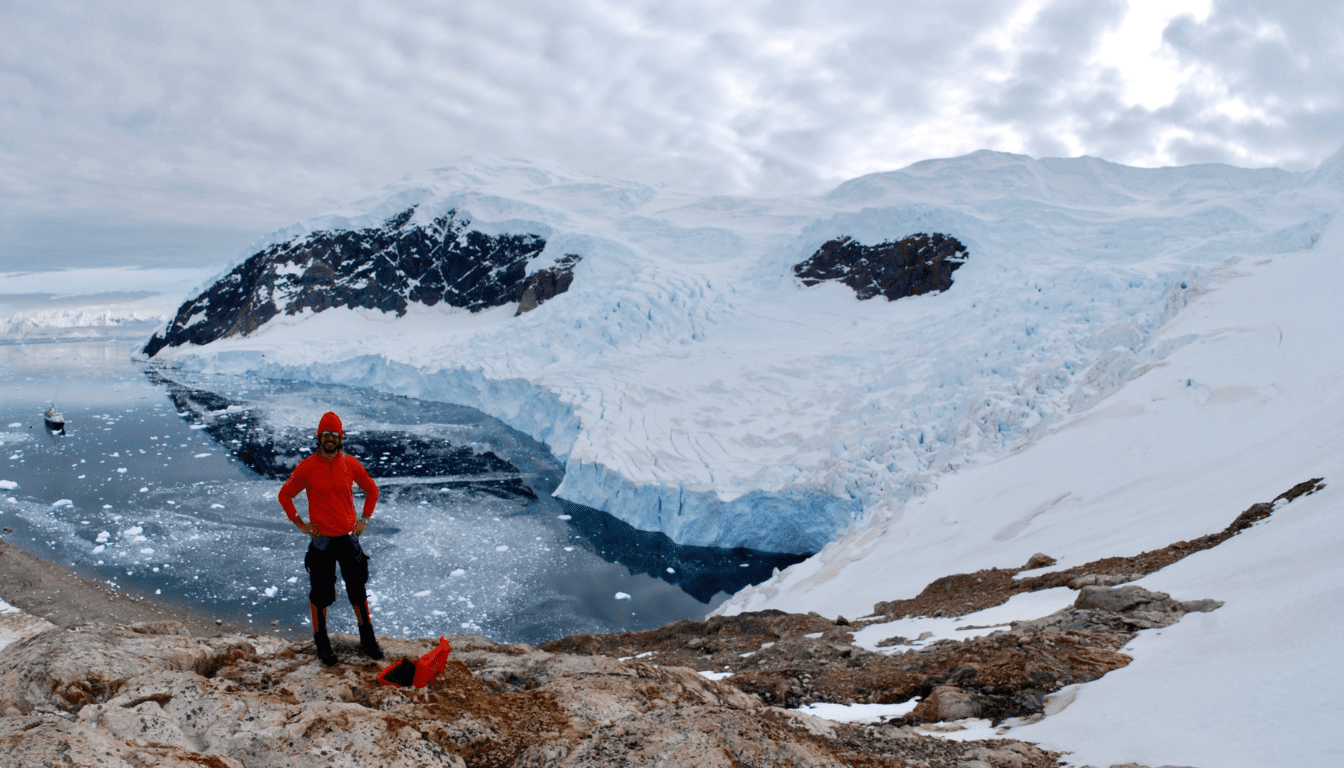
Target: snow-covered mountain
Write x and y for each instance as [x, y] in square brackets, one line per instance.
[696, 378]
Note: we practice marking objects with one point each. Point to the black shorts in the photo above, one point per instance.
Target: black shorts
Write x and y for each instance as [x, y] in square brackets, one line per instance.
[321, 566]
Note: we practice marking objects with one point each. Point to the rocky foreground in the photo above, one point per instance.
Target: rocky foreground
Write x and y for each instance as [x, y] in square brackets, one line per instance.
[153, 694]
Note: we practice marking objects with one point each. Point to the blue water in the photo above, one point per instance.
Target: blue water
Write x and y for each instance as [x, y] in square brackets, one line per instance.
[166, 484]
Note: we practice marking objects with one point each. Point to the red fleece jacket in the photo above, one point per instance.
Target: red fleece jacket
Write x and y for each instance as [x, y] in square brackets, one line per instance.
[331, 502]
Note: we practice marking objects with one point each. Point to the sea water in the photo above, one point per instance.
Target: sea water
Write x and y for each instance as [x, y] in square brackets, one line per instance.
[167, 485]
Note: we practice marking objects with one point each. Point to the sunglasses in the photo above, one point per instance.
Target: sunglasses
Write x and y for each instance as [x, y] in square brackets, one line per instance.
[325, 435]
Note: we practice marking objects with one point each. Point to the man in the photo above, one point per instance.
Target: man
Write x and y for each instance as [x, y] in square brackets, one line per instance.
[327, 476]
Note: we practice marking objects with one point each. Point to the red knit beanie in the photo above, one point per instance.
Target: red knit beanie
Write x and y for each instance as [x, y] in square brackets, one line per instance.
[330, 423]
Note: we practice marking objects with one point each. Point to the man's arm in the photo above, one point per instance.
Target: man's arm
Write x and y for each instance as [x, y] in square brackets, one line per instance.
[293, 487]
[370, 490]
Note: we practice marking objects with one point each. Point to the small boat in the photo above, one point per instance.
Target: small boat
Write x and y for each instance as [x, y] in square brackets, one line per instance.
[54, 420]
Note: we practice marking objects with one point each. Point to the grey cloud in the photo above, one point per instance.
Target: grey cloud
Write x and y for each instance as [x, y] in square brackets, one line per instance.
[1282, 58]
[245, 116]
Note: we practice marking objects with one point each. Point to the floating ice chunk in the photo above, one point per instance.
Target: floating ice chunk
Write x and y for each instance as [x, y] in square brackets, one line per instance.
[15, 425]
[458, 573]
[622, 596]
[671, 570]
[423, 593]
[204, 455]
[569, 549]
[62, 503]
[121, 470]
[270, 591]
[438, 613]
[103, 536]
[292, 580]
[98, 549]
[115, 454]
[198, 426]
[566, 517]
[144, 490]
[8, 485]
[502, 548]
[216, 506]
[133, 531]
[147, 551]
[107, 506]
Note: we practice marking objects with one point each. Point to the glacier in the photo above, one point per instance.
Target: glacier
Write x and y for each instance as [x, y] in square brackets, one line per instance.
[692, 385]
[1234, 400]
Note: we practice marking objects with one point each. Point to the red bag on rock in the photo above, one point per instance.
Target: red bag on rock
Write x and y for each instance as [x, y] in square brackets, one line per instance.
[417, 674]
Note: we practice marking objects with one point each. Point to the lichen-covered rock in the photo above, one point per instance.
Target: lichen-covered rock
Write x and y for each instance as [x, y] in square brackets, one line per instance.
[67, 669]
[1123, 599]
[697, 737]
[167, 699]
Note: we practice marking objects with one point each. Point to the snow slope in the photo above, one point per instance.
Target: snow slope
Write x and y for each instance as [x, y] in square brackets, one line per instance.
[1251, 403]
[694, 387]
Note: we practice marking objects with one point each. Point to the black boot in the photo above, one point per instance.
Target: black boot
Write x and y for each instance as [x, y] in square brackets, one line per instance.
[324, 652]
[368, 642]
[320, 640]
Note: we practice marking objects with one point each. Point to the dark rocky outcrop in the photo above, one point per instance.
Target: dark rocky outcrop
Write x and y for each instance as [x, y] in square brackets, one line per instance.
[918, 264]
[385, 268]
[546, 284]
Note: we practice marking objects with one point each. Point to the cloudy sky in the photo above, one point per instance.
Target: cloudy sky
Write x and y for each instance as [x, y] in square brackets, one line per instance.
[175, 132]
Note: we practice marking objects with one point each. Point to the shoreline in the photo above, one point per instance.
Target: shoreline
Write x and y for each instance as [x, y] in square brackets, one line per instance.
[66, 598]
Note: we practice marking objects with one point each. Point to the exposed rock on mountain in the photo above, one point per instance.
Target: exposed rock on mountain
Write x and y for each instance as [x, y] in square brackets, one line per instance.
[385, 268]
[915, 265]
[545, 284]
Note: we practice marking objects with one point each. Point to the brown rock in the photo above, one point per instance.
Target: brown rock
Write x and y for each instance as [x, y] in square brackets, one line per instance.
[1122, 600]
[946, 703]
[1039, 560]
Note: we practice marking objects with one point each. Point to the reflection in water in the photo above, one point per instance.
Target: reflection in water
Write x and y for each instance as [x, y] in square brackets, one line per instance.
[272, 451]
[702, 572]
